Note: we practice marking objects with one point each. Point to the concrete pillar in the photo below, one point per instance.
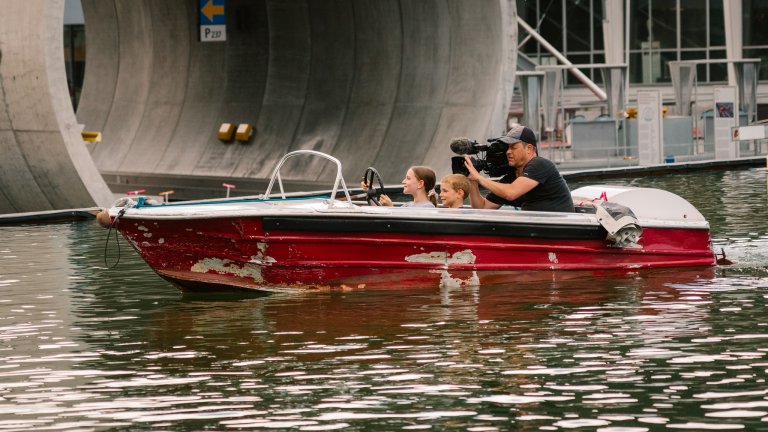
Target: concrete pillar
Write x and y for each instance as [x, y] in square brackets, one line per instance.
[745, 74]
[613, 31]
[734, 41]
[553, 81]
[615, 89]
[683, 77]
[44, 162]
[530, 90]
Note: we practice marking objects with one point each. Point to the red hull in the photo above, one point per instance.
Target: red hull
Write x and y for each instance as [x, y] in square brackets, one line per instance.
[239, 252]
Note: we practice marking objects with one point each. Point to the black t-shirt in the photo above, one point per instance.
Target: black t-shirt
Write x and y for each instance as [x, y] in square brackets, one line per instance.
[551, 194]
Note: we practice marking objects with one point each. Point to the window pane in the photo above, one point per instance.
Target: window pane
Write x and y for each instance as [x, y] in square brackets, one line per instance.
[653, 21]
[666, 57]
[638, 25]
[708, 72]
[693, 19]
[570, 79]
[635, 68]
[701, 69]
[763, 55]
[549, 24]
[716, 23]
[598, 57]
[755, 14]
[526, 10]
[578, 25]
[552, 25]
[718, 72]
[74, 60]
[597, 24]
[663, 26]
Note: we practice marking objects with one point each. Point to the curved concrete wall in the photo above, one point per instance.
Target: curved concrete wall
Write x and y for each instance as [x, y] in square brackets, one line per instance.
[44, 164]
[385, 83]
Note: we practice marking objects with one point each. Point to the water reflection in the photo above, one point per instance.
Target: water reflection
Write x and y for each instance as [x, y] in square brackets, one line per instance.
[86, 348]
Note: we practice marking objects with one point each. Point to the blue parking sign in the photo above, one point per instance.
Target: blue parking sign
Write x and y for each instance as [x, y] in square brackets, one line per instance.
[213, 20]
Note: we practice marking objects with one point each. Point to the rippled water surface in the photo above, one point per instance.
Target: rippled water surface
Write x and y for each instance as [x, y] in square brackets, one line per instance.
[86, 348]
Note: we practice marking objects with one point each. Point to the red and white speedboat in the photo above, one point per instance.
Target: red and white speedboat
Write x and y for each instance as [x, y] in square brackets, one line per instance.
[277, 242]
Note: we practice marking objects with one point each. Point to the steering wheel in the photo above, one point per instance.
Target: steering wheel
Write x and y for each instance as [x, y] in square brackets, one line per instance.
[373, 192]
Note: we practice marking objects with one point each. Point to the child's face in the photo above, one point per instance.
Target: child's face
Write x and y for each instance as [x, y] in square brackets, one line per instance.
[410, 183]
[450, 196]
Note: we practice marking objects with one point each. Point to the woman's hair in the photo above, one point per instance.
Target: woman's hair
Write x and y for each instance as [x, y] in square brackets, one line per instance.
[428, 176]
[458, 182]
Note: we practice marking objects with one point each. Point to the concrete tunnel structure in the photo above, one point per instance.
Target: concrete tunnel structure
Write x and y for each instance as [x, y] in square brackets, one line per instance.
[383, 83]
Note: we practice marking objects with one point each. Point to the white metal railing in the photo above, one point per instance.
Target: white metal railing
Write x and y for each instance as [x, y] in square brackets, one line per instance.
[339, 181]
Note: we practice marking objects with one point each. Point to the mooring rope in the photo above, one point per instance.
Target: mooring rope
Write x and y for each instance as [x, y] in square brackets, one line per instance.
[117, 241]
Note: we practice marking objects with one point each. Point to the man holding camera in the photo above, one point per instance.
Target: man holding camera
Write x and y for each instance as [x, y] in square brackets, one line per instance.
[534, 185]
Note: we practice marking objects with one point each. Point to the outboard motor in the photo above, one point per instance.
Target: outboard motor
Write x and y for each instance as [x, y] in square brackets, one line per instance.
[622, 225]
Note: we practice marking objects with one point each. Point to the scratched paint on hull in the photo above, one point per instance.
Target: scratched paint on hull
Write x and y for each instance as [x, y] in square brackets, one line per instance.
[229, 267]
[447, 279]
[261, 257]
[461, 257]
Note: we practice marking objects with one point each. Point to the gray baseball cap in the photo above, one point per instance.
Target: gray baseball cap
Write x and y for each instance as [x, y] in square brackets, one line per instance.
[518, 133]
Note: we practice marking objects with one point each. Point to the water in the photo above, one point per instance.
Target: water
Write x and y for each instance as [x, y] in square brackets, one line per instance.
[86, 348]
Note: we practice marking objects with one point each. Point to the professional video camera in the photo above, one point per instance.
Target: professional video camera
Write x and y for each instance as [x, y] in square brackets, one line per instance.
[492, 158]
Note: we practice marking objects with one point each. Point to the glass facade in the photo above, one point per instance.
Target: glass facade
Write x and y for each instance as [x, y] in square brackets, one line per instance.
[74, 60]
[660, 31]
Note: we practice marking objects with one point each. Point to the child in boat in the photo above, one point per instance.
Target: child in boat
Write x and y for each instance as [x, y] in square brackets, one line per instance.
[419, 182]
[454, 189]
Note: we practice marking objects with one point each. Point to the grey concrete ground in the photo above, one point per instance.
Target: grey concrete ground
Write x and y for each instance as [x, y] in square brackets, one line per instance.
[384, 83]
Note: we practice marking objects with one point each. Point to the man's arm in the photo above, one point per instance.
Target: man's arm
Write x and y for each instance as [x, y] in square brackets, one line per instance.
[477, 200]
[507, 191]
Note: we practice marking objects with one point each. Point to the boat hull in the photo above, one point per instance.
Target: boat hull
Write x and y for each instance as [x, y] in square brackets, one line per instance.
[279, 253]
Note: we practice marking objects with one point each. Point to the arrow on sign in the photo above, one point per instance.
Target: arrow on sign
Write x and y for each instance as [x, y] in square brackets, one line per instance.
[210, 9]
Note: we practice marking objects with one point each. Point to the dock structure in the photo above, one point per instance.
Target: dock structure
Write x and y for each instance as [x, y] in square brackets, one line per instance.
[49, 216]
